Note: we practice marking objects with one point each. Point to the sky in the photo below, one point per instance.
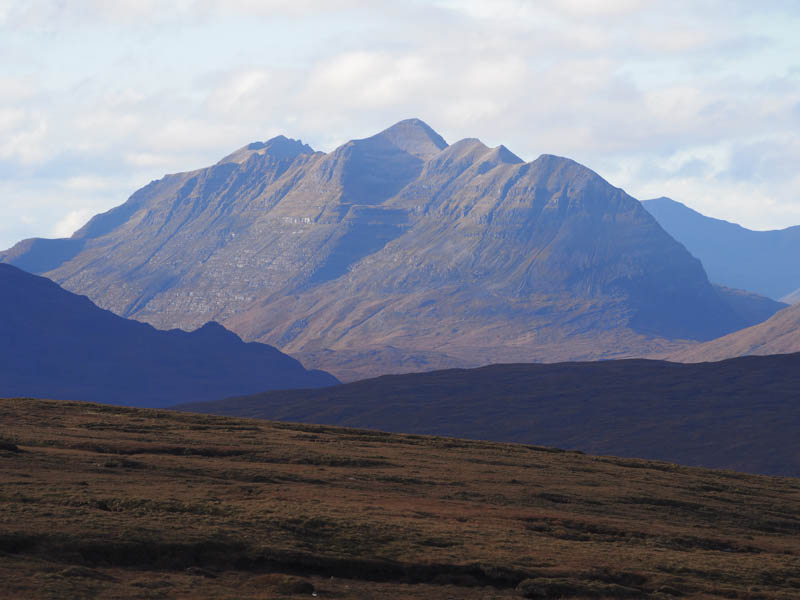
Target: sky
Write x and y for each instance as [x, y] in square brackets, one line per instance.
[696, 100]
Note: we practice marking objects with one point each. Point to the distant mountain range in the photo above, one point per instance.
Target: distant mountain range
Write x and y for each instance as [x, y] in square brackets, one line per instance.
[395, 253]
[764, 262]
[740, 414]
[59, 345]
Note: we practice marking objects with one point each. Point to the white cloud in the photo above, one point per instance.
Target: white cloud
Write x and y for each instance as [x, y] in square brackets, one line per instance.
[368, 79]
[149, 159]
[50, 15]
[98, 98]
[71, 222]
[11, 118]
[242, 90]
[583, 8]
[88, 183]
[25, 137]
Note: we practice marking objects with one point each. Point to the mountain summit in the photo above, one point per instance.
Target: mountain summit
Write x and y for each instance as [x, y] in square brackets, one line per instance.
[279, 147]
[415, 137]
[395, 252]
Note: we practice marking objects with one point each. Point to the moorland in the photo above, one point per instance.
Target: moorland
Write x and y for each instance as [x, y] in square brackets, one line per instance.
[100, 501]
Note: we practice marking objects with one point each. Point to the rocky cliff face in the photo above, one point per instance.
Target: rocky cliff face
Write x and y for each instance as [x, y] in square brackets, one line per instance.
[397, 247]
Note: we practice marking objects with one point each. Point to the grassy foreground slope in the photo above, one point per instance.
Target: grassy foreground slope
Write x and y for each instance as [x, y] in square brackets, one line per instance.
[108, 502]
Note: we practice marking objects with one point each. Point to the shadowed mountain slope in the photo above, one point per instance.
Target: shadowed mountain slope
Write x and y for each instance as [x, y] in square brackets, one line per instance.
[764, 262]
[750, 308]
[741, 414]
[59, 345]
[778, 335]
[401, 247]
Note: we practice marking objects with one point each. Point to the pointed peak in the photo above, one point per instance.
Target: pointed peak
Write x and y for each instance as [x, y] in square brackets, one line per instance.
[473, 151]
[664, 201]
[415, 137]
[214, 329]
[554, 160]
[469, 144]
[279, 147]
[553, 164]
[467, 149]
[504, 155]
[565, 169]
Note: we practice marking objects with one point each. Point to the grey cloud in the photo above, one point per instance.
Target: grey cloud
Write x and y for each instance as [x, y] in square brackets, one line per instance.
[589, 89]
[763, 161]
[656, 170]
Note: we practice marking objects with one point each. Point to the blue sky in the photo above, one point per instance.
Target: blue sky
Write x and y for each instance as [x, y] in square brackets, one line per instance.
[699, 101]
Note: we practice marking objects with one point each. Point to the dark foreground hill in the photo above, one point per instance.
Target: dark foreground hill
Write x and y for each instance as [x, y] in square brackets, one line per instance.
[764, 262]
[55, 344]
[107, 502]
[742, 414]
[399, 249]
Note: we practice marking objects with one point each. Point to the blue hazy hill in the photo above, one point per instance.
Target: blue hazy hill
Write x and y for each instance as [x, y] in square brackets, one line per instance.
[56, 344]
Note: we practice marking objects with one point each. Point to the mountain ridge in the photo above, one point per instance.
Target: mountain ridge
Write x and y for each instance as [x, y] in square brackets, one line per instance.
[758, 261]
[402, 241]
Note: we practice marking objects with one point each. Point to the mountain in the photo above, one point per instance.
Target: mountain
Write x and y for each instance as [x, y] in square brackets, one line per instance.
[59, 345]
[750, 308]
[764, 262]
[398, 247]
[740, 414]
[778, 335]
[792, 298]
[108, 502]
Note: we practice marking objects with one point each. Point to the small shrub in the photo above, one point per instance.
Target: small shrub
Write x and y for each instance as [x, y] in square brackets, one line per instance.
[546, 589]
[285, 584]
[9, 446]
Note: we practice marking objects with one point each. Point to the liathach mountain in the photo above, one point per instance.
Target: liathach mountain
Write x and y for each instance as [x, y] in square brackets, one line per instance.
[395, 253]
[59, 345]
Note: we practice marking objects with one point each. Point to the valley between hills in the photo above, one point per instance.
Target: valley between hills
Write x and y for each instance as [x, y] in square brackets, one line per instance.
[100, 501]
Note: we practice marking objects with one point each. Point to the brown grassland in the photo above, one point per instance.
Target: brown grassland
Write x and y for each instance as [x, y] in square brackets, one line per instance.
[100, 501]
